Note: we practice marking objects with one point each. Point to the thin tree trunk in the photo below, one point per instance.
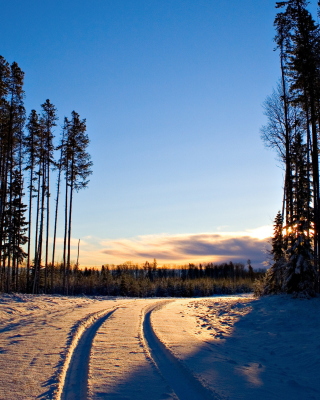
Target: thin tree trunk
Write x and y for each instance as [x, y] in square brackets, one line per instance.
[47, 232]
[56, 212]
[9, 172]
[69, 233]
[36, 238]
[78, 253]
[65, 233]
[29, 226]
[43, 192]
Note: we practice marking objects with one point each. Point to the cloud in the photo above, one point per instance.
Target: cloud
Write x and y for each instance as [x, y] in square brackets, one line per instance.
[174, 249]
[189, 248]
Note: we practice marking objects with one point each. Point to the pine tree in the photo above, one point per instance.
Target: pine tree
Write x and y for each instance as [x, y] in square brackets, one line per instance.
[59, 167]
[78, 167]
[49, 118]
[281, 39]
[298, 40]
[4, 118]
[15, 121]
[274, 276]
[18, 234]
[31, 149]
[300, 272]
[303, 65]
[41, 190]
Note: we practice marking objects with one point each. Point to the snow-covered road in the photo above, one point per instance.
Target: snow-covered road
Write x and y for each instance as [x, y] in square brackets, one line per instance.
[74, 383]
[231, 347]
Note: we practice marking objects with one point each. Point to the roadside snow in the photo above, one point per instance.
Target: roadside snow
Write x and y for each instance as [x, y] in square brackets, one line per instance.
[246, 348]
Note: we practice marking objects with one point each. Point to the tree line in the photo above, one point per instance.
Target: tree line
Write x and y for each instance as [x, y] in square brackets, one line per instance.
[28, 156]
[149, 280]
[292, 129]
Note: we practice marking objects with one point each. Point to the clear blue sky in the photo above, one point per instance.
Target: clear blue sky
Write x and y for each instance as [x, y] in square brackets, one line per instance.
[172, 93]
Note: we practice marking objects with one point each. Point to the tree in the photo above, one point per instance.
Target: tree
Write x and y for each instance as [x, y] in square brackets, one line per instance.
[59, 167]
[18, 227]
[274, 277]
[298, 40]
[49, 118]
[14, 121]
[302, 47]
[77, 167]
[284, 121]
[281, 40]
[31, 149]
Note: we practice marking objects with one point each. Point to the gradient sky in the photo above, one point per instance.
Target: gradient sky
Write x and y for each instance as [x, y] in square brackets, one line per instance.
[172, 92]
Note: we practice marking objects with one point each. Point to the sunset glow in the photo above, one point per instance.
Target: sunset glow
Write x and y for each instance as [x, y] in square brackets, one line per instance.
[177, 249]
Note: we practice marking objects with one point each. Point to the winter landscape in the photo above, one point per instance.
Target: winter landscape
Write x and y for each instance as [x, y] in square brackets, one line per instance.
[182, 101]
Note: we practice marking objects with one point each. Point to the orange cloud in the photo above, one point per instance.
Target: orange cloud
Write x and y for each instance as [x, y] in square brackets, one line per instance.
[174, 249]
[180, 249]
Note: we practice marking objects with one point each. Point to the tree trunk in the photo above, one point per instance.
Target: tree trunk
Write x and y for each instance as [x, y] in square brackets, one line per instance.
[69, 233]
[56, 212]
[65, 233]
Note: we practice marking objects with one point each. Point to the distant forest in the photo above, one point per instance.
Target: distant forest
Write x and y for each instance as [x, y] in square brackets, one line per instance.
[293, 127]
[28, 155]
[149, 280]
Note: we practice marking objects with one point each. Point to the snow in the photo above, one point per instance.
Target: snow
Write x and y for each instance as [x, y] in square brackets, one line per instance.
[227, 347]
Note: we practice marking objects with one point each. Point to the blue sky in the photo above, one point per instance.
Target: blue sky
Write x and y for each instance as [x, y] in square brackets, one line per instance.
[172, 93]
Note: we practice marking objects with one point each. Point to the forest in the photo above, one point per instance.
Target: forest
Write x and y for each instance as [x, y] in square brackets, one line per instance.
[292, 130]
[27, 158]
[149, 280]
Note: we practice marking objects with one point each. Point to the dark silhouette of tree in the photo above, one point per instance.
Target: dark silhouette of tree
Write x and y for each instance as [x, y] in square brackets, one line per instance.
[49, 118]
[77, 168]
[59, 167]
[14, 115]
[302, 65]
[4, 116]
[18, 227]
[273, 280]
[31, 154]
[298, 40]
[31, 149]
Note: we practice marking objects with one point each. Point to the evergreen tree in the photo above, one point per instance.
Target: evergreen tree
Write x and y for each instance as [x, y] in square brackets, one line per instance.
[78, 167]
[31, 151]
[49, 118]
[41, 191]
[298, 40]
[302, 47]
[4, 118]
[300, 272]
[59, 167]
[18, 226]
[12, 132]
[274, 276]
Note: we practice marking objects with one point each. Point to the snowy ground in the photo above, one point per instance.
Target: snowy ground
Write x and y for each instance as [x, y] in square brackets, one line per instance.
[230, 347]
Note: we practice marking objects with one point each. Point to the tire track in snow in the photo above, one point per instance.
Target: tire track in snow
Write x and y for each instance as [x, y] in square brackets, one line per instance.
[74, 379]
[185, 385]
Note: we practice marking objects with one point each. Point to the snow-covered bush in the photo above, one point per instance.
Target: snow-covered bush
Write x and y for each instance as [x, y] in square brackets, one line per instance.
[292, 271]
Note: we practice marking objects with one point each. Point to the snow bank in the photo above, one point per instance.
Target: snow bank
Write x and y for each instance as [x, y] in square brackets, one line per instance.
[246, 348]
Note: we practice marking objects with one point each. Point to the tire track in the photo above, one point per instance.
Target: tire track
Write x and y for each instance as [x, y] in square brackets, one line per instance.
[185, 385]
[74, 380]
